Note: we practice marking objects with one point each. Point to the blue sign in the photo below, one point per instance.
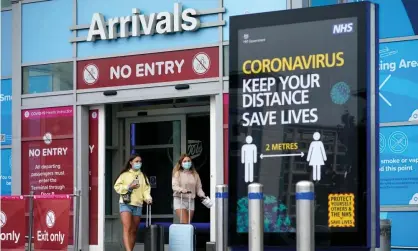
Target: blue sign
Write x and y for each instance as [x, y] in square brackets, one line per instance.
[398, 87]
[398, 165]
[397, 18]
[403, 228]
[6, 112]
[6, 172]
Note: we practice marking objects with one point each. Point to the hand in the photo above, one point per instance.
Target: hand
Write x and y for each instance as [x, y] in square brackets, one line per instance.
[184, 191]
[149, 201]
[133, 185]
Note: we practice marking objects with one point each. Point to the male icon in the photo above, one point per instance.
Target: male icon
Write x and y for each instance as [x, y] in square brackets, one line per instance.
[248, 158]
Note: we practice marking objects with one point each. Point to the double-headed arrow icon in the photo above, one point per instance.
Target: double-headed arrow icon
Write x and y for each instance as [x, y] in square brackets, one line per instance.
[262, 156]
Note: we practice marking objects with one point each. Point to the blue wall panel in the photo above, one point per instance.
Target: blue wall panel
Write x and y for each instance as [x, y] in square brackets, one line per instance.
[111, 8]
[6, 111]
[234, 8]
[397, 17]
[398, 165]
[6, 172]
[315, 3]
[398, 81]
[404, 228]
[46, 31]
[6, 43]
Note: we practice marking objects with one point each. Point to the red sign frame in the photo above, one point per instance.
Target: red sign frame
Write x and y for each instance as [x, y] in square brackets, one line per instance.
[13, 226]
[93, 178]
[149, 68]
[51, 222]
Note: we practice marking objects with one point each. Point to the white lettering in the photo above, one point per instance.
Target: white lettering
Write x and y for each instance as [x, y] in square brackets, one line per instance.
[56, 151]
[160, 23]
[5, 98]
[11, 236]
[53, 237]
[91, 147]
[97, 28]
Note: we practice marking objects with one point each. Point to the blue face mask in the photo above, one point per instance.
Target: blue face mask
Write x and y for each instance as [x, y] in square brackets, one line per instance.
[137, 166]
[186, 165]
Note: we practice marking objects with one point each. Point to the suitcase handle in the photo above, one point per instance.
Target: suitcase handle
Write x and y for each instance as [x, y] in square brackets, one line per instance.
[181, 201]
[148, 216]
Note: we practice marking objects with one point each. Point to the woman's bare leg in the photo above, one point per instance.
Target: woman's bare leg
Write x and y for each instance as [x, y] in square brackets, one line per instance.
[126, 218]
[134, 227]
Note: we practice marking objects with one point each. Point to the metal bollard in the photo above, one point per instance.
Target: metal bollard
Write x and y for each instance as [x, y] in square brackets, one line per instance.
[305, 217]
[255, 217]
[30, 221]
[221, 204]
[385, 235]
[210, 246]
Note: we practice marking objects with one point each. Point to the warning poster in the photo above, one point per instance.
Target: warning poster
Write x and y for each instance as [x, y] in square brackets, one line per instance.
[341, 210]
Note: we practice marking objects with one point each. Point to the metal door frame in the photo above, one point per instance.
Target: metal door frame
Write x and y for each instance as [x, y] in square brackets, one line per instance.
[137, 120]
[150, 119]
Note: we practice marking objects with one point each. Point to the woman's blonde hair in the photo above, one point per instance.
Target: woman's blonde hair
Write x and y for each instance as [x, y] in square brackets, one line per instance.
[177, 168]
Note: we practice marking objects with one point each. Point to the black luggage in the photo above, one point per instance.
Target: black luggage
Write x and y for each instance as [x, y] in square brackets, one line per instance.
[154, 234]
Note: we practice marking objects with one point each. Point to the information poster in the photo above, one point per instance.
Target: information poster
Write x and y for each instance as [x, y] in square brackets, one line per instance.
[6, 112]
[300, 110]
[47, 151]
[6, 172]
[398, 85]
[398, 165]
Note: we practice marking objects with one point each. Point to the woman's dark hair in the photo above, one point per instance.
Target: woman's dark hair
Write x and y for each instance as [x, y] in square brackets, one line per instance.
[129, 166]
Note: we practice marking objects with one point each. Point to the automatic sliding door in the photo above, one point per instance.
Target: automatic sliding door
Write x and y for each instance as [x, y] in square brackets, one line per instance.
[159, 141]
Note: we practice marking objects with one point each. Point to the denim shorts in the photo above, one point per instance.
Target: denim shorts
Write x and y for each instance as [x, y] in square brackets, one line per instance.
[134, 210]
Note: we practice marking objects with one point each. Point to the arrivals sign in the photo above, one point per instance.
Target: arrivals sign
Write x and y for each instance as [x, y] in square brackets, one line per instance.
[51, 222]
[12, 223]
[139, 24]
[47, 151]
[149, 68]
[301, 109]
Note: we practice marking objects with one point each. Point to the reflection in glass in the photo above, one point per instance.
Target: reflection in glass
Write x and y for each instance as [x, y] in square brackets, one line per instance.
[6, 3]
[47, 78]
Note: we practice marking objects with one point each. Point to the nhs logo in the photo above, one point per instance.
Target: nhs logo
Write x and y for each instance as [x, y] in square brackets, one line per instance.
[342, 28]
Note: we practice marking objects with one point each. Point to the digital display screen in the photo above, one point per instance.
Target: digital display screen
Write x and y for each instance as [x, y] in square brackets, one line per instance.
[298, 111]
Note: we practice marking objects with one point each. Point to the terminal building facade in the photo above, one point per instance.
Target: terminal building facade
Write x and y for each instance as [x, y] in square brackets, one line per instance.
[80, 92]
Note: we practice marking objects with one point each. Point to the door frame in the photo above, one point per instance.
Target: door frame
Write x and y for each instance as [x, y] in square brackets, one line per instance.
[150, 119]
[153, 119]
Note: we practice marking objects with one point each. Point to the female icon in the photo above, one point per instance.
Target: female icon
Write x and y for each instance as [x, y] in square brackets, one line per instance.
[316, 156]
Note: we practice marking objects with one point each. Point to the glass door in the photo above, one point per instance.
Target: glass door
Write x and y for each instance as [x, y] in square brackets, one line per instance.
[159, 141]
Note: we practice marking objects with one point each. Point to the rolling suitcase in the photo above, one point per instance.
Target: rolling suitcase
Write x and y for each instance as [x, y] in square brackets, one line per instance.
[154, 234]
[182, 237]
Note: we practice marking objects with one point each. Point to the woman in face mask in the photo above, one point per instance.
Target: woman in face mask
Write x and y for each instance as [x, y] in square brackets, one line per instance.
[134, 189]
[185, 180]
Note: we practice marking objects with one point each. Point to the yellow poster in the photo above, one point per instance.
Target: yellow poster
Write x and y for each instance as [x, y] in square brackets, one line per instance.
[341, 210]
